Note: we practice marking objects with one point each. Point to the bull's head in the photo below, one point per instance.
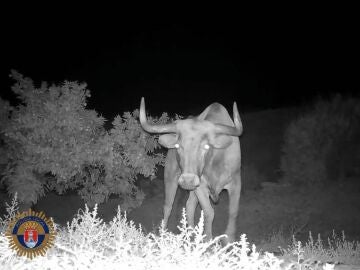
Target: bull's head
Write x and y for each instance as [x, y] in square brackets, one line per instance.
[194, 140]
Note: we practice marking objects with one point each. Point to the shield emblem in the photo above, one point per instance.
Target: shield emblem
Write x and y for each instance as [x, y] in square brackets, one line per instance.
[30, 238]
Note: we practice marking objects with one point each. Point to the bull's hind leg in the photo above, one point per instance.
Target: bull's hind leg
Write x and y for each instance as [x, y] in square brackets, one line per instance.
[233, 189]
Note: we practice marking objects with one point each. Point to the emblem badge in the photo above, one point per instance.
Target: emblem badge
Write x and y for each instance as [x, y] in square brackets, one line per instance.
[31, 234]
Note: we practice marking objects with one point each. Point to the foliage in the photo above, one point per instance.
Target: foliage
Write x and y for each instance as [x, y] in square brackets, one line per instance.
[54, 142]
[338, 251]
[11, 210]
[88, 242]
[275, 241]
[5, 110]
[319, 145]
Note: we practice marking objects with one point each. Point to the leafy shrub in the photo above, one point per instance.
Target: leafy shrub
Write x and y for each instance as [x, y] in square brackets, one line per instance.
[54, 142]
[5, 110]
[319, 145]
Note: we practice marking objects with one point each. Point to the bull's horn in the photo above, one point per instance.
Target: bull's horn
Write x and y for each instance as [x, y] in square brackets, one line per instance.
[168, 128]
[232, 131]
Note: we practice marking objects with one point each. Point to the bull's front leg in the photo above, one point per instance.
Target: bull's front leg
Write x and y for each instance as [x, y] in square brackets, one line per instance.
[170, 192]
[191, 204]
[202, 194]
[171, 175]
[234, 196]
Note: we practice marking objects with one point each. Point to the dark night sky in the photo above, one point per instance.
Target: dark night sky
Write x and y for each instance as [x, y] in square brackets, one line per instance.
[182, 68]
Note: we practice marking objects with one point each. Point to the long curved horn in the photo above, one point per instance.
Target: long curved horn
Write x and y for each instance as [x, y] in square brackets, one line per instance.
[232, 131]
[168, 128]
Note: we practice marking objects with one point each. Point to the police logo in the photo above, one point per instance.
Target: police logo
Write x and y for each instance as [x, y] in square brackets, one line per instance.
[31, 234]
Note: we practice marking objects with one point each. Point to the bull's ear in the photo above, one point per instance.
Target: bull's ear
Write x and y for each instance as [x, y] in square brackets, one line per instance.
[221, 141]
[168, 140]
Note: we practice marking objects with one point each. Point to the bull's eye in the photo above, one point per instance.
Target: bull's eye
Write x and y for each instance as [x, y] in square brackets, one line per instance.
[206, 146]
[176, 145]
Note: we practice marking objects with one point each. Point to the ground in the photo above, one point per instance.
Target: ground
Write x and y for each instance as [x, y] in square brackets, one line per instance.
[266, 207]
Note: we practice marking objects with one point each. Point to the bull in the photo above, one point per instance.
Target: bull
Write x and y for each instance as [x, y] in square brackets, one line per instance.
[203, 157]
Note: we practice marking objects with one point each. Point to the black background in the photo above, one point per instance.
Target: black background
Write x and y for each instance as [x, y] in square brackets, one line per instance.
[181, 67]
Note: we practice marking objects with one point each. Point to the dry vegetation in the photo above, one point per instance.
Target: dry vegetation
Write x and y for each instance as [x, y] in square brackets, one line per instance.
[87, 242]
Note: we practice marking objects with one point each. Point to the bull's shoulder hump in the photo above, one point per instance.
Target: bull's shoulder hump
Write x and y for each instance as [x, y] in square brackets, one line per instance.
[217, 107]
[214, 108]
[216, 113]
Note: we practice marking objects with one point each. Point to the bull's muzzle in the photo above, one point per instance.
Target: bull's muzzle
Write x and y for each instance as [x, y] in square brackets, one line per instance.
[189, 181]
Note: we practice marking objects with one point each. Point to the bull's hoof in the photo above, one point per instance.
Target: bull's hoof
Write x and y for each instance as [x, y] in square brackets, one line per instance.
[224, 240]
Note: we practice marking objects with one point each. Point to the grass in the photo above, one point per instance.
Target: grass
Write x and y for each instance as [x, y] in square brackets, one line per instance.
[337, 250]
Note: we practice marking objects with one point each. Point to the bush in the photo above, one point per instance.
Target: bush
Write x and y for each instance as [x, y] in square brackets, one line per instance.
[319, 145]
[87, 242]
[54, 142]
[5, 110]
